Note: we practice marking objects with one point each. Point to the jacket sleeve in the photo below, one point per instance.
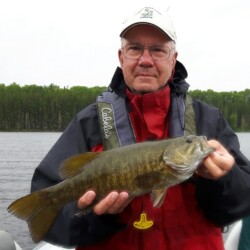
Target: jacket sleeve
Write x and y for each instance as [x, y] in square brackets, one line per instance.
[69, 228]
[227, 199]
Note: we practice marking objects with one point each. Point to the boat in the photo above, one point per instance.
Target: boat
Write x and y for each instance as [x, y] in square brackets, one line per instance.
[7, 243]
[48, 246]
[231, 240]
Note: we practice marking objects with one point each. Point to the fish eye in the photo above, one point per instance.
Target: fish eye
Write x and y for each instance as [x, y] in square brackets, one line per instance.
[189, 140]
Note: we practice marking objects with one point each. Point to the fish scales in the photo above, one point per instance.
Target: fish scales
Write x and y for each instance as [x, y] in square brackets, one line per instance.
[149, 167]
[116, 178]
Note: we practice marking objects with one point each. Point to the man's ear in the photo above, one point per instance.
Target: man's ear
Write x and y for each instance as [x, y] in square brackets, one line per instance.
[174, 58]
[120, 56]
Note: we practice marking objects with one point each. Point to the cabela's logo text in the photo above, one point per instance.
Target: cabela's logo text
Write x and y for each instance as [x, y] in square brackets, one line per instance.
[107, 121]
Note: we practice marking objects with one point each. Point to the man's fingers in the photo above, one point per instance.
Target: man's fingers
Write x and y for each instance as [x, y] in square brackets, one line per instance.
[113, 203]
[224, 160]
[86, 199]
[217, 164]
[120, 203]
[103, 206]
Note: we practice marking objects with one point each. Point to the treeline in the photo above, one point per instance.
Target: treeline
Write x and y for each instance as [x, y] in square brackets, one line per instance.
[50, 108]
[42, 108]
[235, 106]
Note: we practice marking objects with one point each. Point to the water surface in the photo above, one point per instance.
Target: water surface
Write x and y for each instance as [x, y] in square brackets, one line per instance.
[20, 153]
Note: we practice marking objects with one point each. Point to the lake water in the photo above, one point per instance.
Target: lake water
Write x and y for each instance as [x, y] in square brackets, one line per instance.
[20, 153]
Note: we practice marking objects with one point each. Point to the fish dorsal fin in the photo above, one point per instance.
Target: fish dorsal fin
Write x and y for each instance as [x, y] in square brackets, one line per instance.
[74, 165]
[158, 196]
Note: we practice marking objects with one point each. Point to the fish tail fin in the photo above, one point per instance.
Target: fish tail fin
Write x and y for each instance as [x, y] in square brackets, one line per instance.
[37, 212]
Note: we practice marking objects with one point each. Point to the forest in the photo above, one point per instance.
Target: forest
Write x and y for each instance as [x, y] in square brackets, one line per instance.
[50, 108]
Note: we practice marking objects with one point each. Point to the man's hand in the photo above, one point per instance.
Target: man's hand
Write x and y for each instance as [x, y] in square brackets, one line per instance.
[217, 164]
[113, 203]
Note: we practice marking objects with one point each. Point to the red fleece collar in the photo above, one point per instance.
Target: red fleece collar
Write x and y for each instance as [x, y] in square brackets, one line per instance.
[149, 114]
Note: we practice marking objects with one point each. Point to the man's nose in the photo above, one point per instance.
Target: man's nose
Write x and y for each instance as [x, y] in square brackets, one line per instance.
[146, 56]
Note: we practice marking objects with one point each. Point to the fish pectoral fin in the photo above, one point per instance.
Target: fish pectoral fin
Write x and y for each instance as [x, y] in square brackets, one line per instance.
[158, 196]
[148, 180]
[74, 165]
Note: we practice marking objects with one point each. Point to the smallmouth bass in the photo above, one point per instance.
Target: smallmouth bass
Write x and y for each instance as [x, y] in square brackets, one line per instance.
[141, 168]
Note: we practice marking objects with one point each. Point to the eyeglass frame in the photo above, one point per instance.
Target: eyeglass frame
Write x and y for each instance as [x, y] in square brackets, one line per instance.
[149, 48]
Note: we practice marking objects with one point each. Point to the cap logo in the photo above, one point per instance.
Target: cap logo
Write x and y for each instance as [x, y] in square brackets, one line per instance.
[147, 13]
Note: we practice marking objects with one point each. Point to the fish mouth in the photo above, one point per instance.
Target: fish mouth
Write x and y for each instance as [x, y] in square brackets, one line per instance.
[208, 151]
[204, 147]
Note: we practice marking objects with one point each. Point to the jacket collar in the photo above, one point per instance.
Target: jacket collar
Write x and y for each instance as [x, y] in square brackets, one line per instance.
[178, 85]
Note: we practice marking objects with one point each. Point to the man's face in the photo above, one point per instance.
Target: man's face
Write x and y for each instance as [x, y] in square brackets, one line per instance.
[146, 73]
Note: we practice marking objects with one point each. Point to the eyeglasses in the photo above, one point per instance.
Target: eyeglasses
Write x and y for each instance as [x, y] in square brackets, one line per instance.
[135, 51]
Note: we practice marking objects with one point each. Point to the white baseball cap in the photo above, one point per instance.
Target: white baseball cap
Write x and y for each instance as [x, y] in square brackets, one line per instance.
[150, 16]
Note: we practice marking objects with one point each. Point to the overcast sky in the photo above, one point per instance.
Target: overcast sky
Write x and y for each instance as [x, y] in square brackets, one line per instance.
[75, 42]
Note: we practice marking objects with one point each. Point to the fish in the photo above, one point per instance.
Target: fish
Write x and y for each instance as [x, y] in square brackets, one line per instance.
[141, 168]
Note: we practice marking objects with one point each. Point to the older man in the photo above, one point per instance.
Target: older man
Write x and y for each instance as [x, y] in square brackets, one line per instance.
[148, 101]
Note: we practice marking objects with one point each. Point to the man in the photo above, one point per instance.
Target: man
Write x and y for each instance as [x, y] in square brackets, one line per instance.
[147, 100]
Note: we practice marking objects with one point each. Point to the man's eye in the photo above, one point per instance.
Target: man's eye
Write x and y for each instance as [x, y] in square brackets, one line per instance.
[158, 49]
[134, 48]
